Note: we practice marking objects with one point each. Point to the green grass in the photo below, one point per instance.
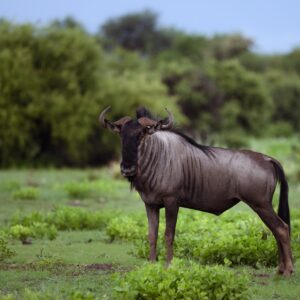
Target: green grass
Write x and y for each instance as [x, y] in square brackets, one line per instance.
[89, 259]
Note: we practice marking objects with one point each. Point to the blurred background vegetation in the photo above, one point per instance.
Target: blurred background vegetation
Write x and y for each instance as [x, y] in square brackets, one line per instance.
[55, 80]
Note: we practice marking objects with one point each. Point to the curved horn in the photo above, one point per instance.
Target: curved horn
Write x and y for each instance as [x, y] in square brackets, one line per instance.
[169, 122]
[102, 120]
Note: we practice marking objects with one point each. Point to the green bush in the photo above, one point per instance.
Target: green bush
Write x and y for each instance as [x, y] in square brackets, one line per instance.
[182, 280]
[55, 81]
[10, 185]
[78, 189]
[96, 188]
[66, 218]
[235, 238]
[47, 262]
[34, 230]
[223, 98]
[126, 228]
[5, 252]
[20, 232]
[28, 294]
[26, 193]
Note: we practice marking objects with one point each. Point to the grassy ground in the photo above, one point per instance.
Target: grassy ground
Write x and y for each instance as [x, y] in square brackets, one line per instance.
[86, 260]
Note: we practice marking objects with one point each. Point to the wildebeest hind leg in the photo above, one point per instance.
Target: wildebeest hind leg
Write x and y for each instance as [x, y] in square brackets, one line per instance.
[281, 233]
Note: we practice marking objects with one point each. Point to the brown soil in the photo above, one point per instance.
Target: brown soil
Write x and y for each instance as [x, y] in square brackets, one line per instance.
[102, 267]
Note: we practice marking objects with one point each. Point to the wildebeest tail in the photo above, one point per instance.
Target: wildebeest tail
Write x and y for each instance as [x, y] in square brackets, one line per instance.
[283, 208]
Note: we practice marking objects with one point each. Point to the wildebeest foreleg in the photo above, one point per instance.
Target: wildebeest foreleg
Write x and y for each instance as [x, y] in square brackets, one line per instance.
[153, 223]
[171, 219]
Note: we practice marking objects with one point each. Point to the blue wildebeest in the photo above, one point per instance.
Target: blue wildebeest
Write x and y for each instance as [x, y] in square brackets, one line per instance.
[171, 170]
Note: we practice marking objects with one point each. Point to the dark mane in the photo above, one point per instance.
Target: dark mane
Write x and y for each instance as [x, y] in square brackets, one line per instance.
[143, 112]
[206, 149]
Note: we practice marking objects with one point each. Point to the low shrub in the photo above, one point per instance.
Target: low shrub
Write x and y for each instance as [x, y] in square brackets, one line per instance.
[20, 232]
[66, 218]
[28, 294]
[235, 238]
[127, 228]
[34, 230]
[182, 280]
[95, 188]
[5, 252]
[78, 189]
[47, 262]
[10, 185]
[26, 193]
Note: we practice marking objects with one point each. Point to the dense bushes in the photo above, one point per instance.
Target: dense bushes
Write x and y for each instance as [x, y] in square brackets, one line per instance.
[66, 218]
[55, 80]
[182, 280]
[34, 230]
[54, 83]
[232, 239]
[26, 193]
[222, 95]
[46, 225]
[28, 294]
[85, 189]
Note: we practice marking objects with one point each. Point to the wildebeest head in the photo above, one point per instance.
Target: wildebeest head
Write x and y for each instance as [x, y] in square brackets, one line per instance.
[132, 131]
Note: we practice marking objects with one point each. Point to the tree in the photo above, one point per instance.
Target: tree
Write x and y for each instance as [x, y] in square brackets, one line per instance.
[68, 22]
[229, 46]
[285, 92]
[54, 82]
[19, 89]
[291, 62]
[135, 32]
[225, 98]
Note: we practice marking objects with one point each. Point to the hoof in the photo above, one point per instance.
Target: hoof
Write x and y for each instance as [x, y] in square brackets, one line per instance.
[286, 272]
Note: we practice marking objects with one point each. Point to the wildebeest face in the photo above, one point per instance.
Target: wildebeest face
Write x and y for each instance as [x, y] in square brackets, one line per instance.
[131, 133]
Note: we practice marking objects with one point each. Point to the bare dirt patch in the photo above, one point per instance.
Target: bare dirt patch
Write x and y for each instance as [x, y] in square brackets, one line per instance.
[101, 267]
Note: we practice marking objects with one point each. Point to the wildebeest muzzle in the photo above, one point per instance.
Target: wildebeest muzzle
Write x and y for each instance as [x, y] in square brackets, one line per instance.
[128, 171]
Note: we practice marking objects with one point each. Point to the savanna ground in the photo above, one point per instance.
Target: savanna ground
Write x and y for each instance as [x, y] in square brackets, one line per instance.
[83, 262]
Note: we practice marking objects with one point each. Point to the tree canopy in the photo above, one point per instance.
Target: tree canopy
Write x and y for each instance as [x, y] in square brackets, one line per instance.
[55, 80]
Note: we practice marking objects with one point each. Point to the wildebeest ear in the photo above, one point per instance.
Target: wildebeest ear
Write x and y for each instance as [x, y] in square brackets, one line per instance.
[122, 121]
[143, 112]
[117, 126]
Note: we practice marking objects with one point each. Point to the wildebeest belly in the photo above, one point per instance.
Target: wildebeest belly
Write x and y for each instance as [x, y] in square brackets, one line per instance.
[222, 182]
[211, 197]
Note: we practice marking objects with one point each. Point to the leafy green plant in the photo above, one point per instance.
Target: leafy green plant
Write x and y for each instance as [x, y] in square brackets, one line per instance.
[237, 239]
[26, 193]
[5, 252]
[34, 230]
[28, 294]
[78, 189]
[47, 262]
[126, 228]
[10, 185]
[91, 189]
[20, 232]
[182, 280]
[66, 218]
